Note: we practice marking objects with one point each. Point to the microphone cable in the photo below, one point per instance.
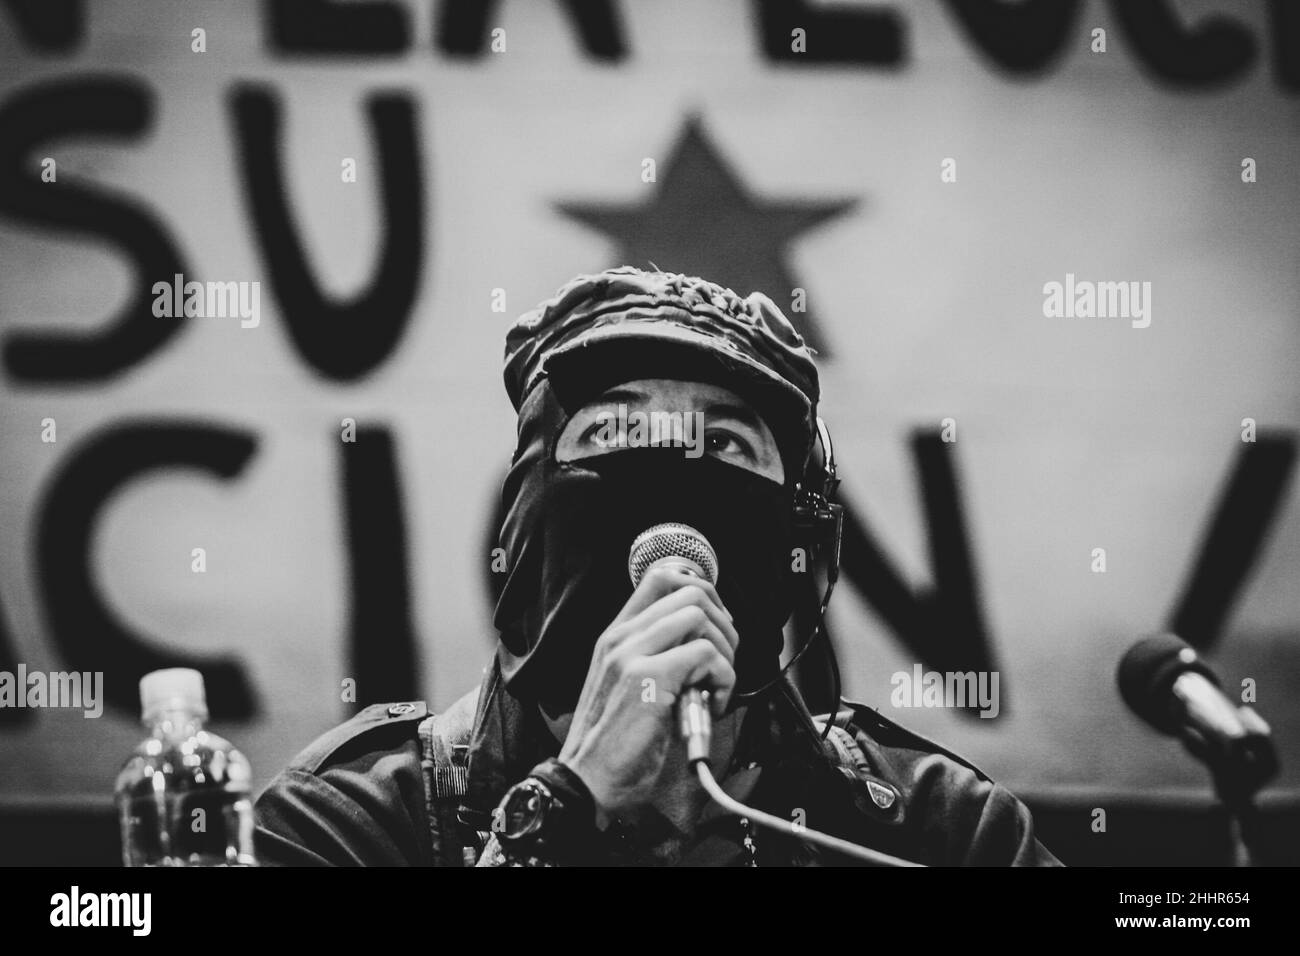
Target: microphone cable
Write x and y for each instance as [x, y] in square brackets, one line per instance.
[696, 725]
[874, 857]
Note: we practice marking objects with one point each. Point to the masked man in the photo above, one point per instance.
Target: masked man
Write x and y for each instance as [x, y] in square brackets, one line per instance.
[643, 398]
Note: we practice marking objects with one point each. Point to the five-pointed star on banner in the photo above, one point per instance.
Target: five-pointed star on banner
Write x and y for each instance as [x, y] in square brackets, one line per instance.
[702, 221]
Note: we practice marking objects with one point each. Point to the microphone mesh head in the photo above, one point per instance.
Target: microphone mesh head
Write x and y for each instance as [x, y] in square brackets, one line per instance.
[1148, 671]
[671, 540]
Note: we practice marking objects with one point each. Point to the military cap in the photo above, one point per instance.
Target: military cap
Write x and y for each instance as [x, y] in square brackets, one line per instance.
[626, 323]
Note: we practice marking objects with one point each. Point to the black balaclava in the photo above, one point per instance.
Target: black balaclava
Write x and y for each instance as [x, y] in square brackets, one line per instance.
[568, 531]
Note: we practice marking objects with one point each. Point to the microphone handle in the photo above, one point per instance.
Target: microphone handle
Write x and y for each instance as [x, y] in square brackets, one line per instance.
[696, 723]
[694, 719]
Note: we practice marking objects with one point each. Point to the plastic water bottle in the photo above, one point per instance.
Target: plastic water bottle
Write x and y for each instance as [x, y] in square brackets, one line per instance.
[184, 797]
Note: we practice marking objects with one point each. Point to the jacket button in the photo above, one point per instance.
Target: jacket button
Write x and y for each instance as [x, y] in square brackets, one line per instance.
[398, 709]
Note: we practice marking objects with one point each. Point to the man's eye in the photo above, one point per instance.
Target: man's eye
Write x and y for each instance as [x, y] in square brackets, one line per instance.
[722, 442]
[599, 427]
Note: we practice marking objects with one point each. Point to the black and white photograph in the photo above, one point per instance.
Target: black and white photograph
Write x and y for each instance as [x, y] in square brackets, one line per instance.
[628, 434]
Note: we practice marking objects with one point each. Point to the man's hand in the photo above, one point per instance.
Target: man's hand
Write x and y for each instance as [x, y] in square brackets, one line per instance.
[673, 633]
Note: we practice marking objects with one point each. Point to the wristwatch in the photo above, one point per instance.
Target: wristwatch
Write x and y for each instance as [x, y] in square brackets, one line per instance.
[550, 816]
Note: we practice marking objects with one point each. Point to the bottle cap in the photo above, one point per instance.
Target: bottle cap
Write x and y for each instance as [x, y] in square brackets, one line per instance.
[176, 688]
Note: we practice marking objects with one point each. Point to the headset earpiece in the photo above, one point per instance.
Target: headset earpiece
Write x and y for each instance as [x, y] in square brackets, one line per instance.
[817, 518]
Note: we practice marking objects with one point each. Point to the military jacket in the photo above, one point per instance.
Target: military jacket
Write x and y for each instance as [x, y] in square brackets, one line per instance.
[398, 785]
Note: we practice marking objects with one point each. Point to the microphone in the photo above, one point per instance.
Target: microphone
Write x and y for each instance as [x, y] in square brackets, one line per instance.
[1166, 683]
[672, 544]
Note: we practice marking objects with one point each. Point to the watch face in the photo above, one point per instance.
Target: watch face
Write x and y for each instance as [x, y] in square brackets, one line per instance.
[524, 809]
